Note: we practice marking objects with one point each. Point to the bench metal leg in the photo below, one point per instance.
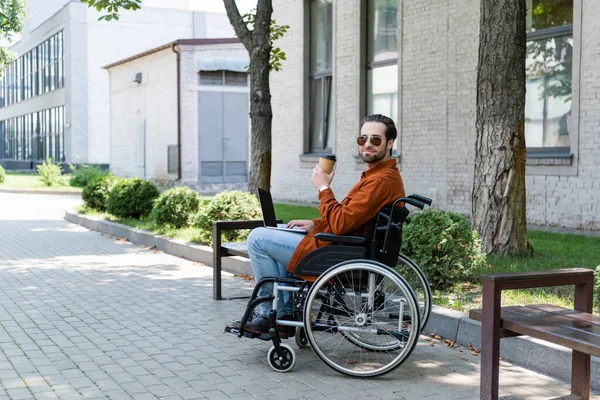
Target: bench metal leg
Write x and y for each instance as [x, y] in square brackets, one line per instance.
[490, 342]
[580, 364]
[216, 262]
[580, 375]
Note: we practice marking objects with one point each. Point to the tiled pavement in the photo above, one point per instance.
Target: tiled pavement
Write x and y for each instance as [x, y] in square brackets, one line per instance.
[85, 315]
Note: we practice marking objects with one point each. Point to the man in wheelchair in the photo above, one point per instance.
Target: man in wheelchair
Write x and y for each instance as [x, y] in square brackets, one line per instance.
[277, 254]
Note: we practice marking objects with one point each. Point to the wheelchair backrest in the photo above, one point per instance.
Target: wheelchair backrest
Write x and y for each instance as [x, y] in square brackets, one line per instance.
[385, 234]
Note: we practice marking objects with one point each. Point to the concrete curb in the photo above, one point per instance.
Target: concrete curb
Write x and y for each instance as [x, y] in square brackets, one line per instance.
[189, 251]
[533, 354]
[34, 191]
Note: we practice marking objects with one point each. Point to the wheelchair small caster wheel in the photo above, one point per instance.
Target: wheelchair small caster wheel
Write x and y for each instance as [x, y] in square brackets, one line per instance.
[300, 338]
[282, 360]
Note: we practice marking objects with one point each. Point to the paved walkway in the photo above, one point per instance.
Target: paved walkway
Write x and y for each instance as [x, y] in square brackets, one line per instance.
[85, 315]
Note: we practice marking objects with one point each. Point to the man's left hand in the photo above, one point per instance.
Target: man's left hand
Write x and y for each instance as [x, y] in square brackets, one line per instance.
[320, 178]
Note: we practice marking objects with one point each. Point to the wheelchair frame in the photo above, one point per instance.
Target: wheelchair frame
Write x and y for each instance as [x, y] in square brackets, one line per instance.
[360, 316]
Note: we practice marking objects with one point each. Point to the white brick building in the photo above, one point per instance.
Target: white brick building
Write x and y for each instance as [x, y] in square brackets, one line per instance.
[54, 99]
[186, 100]
[417, 62]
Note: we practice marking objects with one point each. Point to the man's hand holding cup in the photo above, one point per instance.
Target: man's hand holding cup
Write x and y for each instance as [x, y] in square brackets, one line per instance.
[323, 172]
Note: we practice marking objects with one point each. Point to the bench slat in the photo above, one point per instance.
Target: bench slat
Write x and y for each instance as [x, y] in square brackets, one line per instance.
[566, 330]
[235, 249]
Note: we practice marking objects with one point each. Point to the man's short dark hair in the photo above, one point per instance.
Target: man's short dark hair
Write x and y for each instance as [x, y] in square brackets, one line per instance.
[390, 128]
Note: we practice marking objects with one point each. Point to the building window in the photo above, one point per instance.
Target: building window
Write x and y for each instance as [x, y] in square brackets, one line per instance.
[320, 76]
[39, 71]
[382, 59]
[548, 121]
[222, 77]
[34, 137]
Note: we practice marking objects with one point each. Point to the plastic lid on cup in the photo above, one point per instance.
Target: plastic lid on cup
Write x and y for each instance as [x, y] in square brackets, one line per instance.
[329, 157]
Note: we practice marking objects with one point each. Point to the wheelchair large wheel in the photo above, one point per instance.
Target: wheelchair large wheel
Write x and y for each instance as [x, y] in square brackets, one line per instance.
[418, 282]
[361, 318]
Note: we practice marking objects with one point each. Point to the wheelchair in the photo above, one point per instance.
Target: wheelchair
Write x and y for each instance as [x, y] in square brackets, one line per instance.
[363, 313]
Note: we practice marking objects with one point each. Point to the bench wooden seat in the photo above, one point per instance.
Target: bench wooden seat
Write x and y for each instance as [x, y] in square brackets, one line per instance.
[221, 250]
[577, 329]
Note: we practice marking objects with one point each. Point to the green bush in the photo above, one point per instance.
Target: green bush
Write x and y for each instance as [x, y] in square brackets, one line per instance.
[230, 205]
[49, 172]
[444, 246]
[176, 207]
[2, 174]
[84, 174]
[96, 192]
[131, 198]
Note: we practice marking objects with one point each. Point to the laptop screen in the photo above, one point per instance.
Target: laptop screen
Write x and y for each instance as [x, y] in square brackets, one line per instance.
[268, 211]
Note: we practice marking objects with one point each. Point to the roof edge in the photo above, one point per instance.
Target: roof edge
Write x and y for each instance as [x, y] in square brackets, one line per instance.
[184, 42]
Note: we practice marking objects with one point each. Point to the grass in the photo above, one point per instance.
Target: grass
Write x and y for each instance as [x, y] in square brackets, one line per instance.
[287, 212]
[551, 251]
[29, 180]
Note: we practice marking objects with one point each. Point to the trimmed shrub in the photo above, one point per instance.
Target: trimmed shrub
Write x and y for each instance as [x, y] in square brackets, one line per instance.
[84, 174]
[229, 205]
[131, 198]
[49, 172]
[176, 207]
[95, 194]
[443, 244]
[2, 174]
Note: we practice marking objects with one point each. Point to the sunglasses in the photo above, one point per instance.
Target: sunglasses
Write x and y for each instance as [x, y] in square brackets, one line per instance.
[375, 140]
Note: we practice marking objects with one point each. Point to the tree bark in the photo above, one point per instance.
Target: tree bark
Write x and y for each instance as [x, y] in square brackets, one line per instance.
[498, 198]
[258, 44]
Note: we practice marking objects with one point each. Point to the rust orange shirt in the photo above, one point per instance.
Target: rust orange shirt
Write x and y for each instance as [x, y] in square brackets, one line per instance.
[378, 186]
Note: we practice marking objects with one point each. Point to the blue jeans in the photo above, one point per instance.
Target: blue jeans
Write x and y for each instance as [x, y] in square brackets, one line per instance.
[270, 252]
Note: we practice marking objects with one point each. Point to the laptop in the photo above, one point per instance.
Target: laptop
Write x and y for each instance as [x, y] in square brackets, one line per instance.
[268, 211]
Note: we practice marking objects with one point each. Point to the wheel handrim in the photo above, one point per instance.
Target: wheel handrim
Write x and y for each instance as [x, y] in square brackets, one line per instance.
[351, 341]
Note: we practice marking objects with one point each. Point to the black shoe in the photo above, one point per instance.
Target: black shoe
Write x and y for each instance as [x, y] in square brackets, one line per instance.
[258, 325]
[261, 325]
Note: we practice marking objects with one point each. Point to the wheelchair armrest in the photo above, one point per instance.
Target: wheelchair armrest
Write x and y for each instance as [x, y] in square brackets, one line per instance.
[330, 237]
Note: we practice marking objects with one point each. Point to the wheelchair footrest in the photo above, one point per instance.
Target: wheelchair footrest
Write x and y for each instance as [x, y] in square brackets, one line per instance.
[249, 335]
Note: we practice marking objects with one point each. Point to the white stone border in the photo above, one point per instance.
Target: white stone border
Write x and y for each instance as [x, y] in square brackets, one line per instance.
[189, 251]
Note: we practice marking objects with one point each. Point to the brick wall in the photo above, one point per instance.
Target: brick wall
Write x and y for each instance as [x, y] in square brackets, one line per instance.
[437, 100]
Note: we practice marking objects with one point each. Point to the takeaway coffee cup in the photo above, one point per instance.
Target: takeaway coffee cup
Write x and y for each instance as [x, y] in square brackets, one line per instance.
[327, 161]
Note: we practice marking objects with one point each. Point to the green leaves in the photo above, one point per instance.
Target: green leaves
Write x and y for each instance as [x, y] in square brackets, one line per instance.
[444, 246]
[112, 7]
[275, 32]
[12, 13]
[49, 172]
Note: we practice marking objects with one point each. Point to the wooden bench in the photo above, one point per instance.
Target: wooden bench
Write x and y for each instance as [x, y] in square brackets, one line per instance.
[576, 329]
[221, 250]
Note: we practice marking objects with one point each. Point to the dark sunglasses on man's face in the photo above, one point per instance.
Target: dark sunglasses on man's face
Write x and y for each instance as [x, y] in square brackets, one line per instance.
[362, 140]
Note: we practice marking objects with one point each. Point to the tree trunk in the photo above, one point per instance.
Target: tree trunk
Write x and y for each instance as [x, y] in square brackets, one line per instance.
[498, 200]
[258, 44]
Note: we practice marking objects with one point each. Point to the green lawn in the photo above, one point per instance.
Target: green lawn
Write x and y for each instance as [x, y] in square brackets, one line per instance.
[287, 212]
[29, 180]
[551, 251]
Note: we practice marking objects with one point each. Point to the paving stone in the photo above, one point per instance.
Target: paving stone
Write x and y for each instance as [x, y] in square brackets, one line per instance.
[109, 319]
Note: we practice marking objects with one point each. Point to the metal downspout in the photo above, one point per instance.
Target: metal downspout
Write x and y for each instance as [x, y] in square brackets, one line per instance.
[175, 49]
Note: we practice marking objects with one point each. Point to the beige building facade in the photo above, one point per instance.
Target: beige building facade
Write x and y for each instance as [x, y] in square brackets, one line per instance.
[185, 100]
[416, 61]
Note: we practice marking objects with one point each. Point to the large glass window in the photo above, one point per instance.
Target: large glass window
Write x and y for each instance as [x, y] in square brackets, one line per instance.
[34, 137]
[320, 76]
[39, 71]
[548, 124]
[382, 58]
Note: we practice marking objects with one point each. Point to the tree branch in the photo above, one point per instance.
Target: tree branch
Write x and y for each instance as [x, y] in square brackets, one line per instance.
[264, 9]
[241, 30]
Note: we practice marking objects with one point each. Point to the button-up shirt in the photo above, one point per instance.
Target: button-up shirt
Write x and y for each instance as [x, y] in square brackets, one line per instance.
[378, 186]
